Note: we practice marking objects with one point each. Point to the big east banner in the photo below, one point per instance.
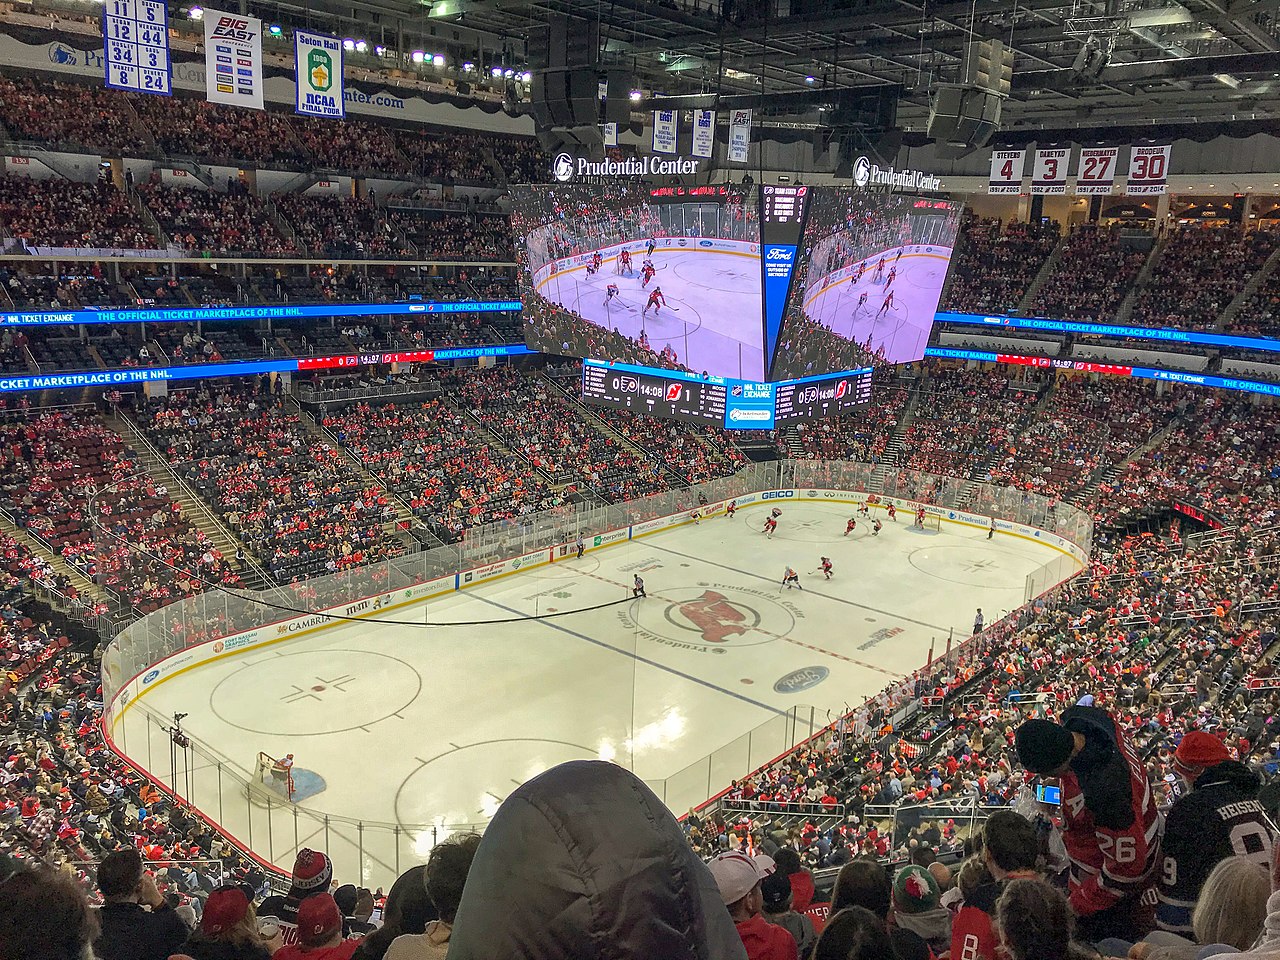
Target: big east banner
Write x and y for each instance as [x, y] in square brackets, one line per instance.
[233, 59]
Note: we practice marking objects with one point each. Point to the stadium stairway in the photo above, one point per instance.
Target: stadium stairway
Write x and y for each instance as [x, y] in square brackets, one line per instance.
[981, 473]
[1246, 294]
[37, 547]
[1046, 271]
[1140, 282]
[194, 509]
[400, 527]
[281, 223]
[794, 445]
[892, 447]
[1085, 496]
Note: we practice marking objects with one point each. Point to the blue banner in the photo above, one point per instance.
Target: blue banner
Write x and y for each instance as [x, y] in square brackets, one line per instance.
[1111, 330]
[218, 314]
[778, 260]
[750, 406]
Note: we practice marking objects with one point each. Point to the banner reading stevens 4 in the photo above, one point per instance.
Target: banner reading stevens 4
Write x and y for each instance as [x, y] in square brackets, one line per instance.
[320, 85]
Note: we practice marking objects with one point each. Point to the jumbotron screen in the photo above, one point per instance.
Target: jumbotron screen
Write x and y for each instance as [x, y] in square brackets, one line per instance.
[759, 284]
[870, 273]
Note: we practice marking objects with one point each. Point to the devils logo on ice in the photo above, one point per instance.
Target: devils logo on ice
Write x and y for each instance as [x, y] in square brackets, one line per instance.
[715, 616]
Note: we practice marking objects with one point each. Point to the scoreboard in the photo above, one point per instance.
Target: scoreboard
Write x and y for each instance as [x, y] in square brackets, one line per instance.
[818, 397]
[668, 397]
[715, 401]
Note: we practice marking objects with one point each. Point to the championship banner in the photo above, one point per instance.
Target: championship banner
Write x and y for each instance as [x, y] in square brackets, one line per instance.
[739, 135]
[1096, 171]
[610, 133]
[664, 131]
[135, 52]
[1006, 171]
[319, 70]
[1148, 171]
[1049, 173]
[704, 132]
[233, 59]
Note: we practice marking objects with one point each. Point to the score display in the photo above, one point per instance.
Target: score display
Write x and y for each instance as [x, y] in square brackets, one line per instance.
[716, 401]
[818, 397]
[650, 392]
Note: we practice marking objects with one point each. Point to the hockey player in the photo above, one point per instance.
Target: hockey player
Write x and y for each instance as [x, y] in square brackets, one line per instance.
[863, 510]
[695, 516]
[897, 257]
[594, 266]
[920, 517]
[775, 513]
[656, 300]
[647, 273]
[826, 567]
[791, 579]
[1219, 818]
[730, 509]
[879, 271]
[1111, 826]
[624, 261]
[850, 526]
[893, 512]
[863, 298]
[637, 587]
[893, 273]
[876, 527]
[887, 304]
[770, 525]
[610, 292]
[650, 246]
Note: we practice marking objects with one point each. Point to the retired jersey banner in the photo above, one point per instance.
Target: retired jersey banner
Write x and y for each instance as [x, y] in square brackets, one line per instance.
[320, 87]
[609, 131]
[704, 133]
[1006, 171]
[1049, 173]
[739, 135]
[1148, 171]
[664, 131]
[233, 59]
[1096, 171]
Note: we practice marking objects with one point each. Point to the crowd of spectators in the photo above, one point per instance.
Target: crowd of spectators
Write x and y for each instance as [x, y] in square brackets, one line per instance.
[193, 128]
[1198, 274]
[341, 227]
[454, 236]
[1092, 277]
[292, 498]
[70, 116]
[209, 221]
[992, 267]
[67, 213]
[361, 147]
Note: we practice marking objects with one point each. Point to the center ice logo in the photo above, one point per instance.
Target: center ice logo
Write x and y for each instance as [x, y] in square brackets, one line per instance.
[715, 616]
[562, 167]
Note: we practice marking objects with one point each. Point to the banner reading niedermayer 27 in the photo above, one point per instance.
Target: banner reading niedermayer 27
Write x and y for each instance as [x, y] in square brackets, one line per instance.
[233, 59]
[320, 87]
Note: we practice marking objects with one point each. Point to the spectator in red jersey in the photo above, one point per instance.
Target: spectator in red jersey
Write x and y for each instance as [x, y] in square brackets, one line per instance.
[1009, 849]
[1111, 825]
[739, 877]
[319, 932]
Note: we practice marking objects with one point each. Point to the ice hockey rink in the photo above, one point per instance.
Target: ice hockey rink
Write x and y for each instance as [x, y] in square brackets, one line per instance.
[712, 320]
[903, 328]
[436, 722]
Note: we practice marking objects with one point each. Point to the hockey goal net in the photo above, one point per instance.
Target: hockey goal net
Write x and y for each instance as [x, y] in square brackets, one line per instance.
[276, 775]
[932, 522]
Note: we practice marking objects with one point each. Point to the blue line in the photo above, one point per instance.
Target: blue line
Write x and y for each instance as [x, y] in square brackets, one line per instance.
[636, 656]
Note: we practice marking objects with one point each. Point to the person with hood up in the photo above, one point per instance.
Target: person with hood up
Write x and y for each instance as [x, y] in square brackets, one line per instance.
[916, 908]
[1219, 818]
[1111, 826]
[585, 861]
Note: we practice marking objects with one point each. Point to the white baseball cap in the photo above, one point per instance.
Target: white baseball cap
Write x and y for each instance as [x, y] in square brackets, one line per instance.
[736, 874]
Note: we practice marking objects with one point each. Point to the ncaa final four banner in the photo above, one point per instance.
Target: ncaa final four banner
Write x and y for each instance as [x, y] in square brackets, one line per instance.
[1148, 170]
[233, 59]
[319, 69]
[1049, 173]
[704, 133]
[1006, 171]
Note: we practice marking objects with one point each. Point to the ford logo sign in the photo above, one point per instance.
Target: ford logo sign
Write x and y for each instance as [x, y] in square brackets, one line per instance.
[778, 253]
[705, 243]
[806, 678]
[150, 675]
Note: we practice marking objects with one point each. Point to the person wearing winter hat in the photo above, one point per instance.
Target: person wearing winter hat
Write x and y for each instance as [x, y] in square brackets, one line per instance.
[228, 930]
[916, 908]
[738, 878]
[1111, 826]
[775, 890]
[319, 932]
[312, 874]
[1219, 818]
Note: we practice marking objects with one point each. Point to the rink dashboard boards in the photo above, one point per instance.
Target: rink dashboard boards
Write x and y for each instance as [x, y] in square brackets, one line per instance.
[722, 402]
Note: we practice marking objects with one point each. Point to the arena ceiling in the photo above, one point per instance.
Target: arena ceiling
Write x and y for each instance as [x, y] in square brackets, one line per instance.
[1181, 62]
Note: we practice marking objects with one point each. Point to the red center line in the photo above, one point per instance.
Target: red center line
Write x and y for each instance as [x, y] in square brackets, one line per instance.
[770, 633]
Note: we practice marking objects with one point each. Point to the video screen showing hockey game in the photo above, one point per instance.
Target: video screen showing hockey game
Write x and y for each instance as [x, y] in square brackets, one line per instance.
[659, 276]
[870, 274]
